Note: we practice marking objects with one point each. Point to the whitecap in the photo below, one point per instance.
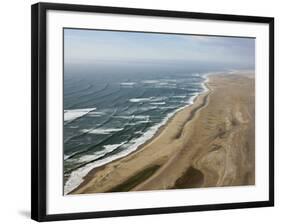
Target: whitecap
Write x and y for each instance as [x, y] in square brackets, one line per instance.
[150, 81]
[142, 117]
[181, 96]
[101, 131]
[158, 98]
[124, 117]
[168, 107]
[127, 83]
[158, 103]
[96, 155]
[136, 100]
[70, 115]
[95, 114]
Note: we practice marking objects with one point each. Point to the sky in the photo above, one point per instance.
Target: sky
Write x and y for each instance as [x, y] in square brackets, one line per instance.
[91, 46]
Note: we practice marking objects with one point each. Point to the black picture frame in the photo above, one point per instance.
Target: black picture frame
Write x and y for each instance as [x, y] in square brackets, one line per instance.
[38, 108]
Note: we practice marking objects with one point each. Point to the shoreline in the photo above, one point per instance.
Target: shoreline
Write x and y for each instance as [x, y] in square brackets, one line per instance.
[161, 125]
[192, 108]
[186, 151]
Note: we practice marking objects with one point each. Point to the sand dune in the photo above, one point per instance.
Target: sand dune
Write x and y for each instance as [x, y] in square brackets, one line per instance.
[211, 143]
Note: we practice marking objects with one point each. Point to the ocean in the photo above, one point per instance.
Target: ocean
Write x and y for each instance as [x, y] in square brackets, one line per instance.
[111, 110]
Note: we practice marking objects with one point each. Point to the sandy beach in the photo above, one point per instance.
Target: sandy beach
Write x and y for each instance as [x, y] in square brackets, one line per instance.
[208, 144]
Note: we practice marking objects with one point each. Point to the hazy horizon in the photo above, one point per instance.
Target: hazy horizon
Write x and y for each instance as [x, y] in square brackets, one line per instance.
[88, 47]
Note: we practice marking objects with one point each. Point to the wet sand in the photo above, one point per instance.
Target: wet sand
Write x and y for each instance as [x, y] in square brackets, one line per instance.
[208, 144]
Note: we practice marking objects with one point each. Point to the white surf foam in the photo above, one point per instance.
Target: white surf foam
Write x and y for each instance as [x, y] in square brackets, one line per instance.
[101, 131]
[96, 155]
[168, 107]
[161, 98]
[158, 103]
[150, 81]
[77, 176]
[96, 113]
[163, 83]
[141, 117]
[181, 96]
[136, 100]
[70, 115]
[127, 83]
[124, 117]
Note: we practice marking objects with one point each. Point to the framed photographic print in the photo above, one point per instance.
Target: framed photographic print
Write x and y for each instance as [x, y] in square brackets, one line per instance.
[139, 111]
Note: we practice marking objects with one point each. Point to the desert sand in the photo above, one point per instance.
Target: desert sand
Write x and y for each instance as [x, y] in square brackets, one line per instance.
[208, 144]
